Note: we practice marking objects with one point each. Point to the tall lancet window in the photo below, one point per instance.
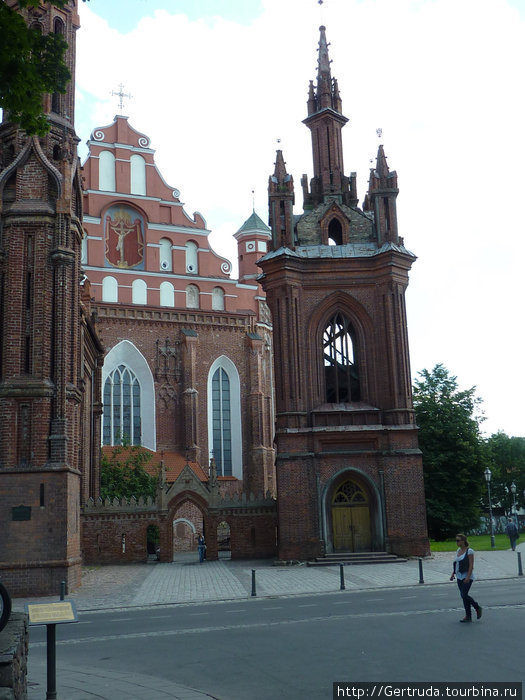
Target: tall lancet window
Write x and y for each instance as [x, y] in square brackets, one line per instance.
[122, 419]
[341, 372]
[222, 427]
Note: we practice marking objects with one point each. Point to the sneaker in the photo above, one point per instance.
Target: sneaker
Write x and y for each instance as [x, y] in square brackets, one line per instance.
[479, 612]
[466, 619]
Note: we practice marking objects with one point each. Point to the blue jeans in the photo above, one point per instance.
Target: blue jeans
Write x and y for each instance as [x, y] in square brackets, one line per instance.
[468, 601]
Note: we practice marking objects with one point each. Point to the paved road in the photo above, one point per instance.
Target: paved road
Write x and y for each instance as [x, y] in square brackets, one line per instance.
[292, 647]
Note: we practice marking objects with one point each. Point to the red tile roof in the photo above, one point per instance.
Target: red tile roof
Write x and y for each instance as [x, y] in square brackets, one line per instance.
[173, 461]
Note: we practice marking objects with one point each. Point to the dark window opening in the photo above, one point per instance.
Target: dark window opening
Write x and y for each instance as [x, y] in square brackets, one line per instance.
[335, 232]
[341, 372]
[42, 495]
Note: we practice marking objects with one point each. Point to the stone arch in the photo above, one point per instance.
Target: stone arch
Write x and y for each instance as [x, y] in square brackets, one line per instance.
[362, 338]
[367, 524]
[335, 226]
[184, 503]
[126, 353]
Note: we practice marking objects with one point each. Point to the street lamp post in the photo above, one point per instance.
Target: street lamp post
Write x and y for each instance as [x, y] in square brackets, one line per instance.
[513, 490]
[488, 475]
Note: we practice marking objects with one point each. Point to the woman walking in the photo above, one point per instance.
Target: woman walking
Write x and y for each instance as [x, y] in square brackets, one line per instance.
[464, 573]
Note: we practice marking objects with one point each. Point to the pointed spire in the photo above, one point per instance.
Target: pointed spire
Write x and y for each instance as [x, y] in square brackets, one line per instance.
[381, 164]
[281, 197]
[323, 60]
[280, 167]
[381, 199]
[326, 93]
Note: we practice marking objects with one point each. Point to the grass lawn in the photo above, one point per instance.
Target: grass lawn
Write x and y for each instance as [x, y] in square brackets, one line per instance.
[478, 543]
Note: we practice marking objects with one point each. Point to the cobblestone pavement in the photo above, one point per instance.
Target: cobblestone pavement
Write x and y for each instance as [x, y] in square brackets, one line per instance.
[186, 580]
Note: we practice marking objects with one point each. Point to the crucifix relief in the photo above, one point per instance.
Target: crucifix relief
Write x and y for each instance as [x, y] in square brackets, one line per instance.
[124, 237]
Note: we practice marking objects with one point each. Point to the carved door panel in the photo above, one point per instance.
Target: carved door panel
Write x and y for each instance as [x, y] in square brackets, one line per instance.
[361, 528]
[342, 529]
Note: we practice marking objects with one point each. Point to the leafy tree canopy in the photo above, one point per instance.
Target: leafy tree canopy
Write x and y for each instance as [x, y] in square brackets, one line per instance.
[507, 463]
[31, 65]
[122, 474]
[454, 456]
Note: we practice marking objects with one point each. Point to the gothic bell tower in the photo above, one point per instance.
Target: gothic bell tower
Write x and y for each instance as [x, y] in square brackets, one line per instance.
[349, 470]
[41, 383]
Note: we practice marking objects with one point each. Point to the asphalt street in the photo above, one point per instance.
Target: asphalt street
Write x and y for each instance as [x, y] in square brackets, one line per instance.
[294, 647]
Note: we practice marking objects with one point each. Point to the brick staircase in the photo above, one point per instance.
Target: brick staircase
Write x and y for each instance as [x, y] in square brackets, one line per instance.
[349, 558]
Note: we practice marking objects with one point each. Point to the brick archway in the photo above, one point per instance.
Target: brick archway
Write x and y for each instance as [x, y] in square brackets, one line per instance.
[351, 513]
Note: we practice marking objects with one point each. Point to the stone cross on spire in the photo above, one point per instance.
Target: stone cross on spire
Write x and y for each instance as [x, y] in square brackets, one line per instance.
[121, 95]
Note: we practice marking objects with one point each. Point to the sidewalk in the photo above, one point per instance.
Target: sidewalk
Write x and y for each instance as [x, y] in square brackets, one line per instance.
[187, 581]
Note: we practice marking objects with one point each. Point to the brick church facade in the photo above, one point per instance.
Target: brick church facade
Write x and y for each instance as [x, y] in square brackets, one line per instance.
[119, 321]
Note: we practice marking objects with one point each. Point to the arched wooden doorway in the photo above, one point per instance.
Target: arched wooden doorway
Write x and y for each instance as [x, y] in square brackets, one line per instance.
[351, 530]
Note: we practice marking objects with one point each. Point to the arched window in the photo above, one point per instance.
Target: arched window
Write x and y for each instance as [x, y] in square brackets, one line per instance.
[192, 297]
[122, 419]
[217, 299]
[139, 292]
[224, 417]
[165, 257]
[138, 174]
[124, 363]
[192, 262]
[167, 294]
[341, 372]
[335, 232]
[106, 171]
[222, 422]
[110, 289]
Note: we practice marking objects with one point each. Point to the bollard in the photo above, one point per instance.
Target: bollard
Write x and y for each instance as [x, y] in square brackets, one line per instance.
[342, 576]
[254, 593]
[421, 579]
[62, 590]
[520, 568]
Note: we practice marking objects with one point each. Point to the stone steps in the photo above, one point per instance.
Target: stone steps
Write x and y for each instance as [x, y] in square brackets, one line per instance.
[349, 558]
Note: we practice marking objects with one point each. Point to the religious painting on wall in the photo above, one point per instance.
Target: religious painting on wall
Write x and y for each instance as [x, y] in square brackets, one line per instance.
[124, 235]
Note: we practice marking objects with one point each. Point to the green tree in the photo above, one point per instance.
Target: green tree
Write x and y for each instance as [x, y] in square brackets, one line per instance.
[31, 65]
[454, 455]
[507, 463]
[122, 474]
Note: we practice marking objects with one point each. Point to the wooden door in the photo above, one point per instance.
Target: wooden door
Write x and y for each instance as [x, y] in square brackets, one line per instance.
[351, 518]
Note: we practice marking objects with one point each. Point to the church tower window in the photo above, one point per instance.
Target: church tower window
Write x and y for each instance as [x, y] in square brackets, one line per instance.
[192, 264]
[192, 297]
[222, 433]
[110, 289]
[217, 299]
[335, 232]
[167, 294]
[122, 410]
[106, 171]
[165, 258]
[139, 292]
[138, 175]
[341, 374]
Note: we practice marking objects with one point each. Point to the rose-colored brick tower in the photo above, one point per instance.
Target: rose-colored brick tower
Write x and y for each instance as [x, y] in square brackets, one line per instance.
[349, 471]
[50, 355]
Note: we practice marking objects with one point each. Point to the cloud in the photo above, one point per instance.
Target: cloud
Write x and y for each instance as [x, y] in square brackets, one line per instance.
[441, 78]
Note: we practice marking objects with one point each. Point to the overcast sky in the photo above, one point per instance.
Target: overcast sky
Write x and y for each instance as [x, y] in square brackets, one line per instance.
[216, 83]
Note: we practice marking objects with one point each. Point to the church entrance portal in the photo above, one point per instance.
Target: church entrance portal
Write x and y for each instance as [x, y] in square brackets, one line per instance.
[351, 518]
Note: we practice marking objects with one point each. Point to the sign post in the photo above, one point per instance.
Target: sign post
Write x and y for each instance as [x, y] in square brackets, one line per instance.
[51, 615]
